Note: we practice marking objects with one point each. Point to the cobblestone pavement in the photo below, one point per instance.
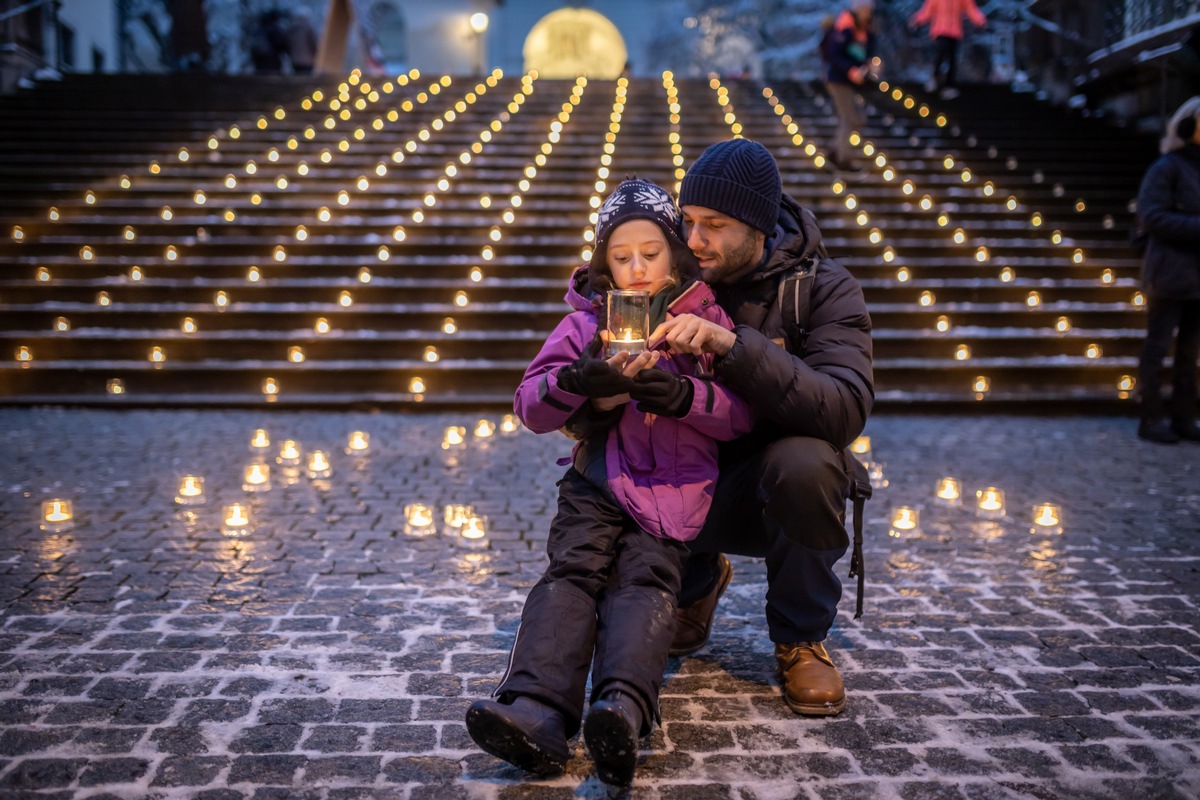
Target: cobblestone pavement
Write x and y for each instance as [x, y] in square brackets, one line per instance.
[329, 655]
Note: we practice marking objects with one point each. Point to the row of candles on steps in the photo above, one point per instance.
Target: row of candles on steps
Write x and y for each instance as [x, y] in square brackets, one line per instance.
[905, 522]
[58, 514]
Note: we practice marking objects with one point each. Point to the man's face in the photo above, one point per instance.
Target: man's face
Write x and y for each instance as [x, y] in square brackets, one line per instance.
[724, 246]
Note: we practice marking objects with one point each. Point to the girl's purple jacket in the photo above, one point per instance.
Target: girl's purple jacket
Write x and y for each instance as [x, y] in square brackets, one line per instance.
[661, 470]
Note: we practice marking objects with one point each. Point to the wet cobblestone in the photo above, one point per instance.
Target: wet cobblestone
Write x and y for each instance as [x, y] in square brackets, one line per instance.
[327, 654]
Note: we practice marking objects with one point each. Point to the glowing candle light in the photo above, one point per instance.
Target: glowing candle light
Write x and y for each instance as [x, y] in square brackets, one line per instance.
[256, 477]
[991, 503]
[1093, 351]
[57, 515]
[1062, 324]
[1047, 519]
[191, 490]
[474, 529]
[962, 353]
[948, 492]
[270, 387]
[981, 385]
[115, 386]
[419, 520]
[509, 424]
[359, 442]
[1033, 299]
[235, 520]
[24, 353]
[484, 429]
[416, 386]
[260, 441]
[321, 326]
[318, 465]
[943, 323]
[861, 447]
[62, 324]
[906, 522]
[289, 453]
[102, 299]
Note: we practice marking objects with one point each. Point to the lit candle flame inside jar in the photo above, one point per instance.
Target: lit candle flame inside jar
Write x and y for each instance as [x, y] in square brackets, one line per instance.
[318, 464]
[509, 424]
[260, 440]
[57, 515]
[906, 521]
[359, 442]
[191, 490]
[484, 429]
[1047, 518]
[455, 516]
[455, 437]
[418, 520]
[628, 321]
[991, 502]
[256, 477]
[475, 528]
[235, 520]
[289, 453]
[949, 491]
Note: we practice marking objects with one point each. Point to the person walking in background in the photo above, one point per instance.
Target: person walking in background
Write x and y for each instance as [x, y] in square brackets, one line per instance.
[945, 20]
[1168, 211]
[846, 52]
[640, 485]
[302, 41]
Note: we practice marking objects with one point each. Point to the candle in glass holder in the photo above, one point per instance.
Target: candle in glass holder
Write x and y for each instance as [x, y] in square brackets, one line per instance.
[456, 436]
[256, 477]
[948, 492]
[484, 429]
[906, 521]
[509, 424]
[359, 443]
[474, 531]
[57, 515]
[991, 503]
[861, 447]
[419, 520]
[191, 491]
[260, 441]
[318, 465]
[235, 520]
[455, 516]
[289, 453]
[1047, 519]
[628, 321]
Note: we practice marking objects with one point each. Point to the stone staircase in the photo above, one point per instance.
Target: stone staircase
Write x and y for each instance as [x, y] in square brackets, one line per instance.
[194, 241]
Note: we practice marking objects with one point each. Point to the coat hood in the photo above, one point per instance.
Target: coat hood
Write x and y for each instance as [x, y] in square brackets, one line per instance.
[796, 238]
[580, 294]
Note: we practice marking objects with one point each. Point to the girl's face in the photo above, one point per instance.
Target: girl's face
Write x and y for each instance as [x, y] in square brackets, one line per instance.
[639, 257]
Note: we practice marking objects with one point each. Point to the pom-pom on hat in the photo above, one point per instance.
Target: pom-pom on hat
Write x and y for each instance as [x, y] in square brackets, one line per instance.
[635, 198]
[738, 178]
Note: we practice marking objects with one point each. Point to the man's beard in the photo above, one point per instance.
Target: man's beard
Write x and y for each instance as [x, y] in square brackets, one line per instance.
[735, 263]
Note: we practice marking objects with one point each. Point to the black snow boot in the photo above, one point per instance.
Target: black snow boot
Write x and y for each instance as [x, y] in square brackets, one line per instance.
[611, 732]
[525, 733]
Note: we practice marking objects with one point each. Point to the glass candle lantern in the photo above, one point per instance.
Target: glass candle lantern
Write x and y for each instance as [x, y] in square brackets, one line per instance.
[289, 453]
[260, 441]
[484, 429]
[256, 477]
[474, 531]
[1047, 519]
[861, 448]
[991, 503]
[318, 465]
[455, 437]
[948, 492]
[235, 520]
[455, 516]
[628, 321]
[906, 522]
[57, 515]
[419, 520]
[191, 491]
[509, 424]
[359, 443]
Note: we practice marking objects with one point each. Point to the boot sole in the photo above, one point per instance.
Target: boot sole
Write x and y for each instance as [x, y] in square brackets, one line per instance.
[726, 579]
[815, 710]
[612, 746]
[496, 736]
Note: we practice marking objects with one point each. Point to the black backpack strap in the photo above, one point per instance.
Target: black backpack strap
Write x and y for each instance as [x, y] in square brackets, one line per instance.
[860, 492]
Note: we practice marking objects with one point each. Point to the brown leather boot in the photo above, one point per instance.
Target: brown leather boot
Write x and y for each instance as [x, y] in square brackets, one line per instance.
[693, 623]
[811, 683]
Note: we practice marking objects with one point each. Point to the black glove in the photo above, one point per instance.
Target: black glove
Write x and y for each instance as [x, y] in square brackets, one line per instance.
[593, 377]
[664, 393]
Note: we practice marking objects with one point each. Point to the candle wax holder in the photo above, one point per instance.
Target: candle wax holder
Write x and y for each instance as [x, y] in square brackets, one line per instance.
[419, 520]
[235, 520]
[455, 515]
[191, 491]
[473, 534]
[628, 321]
[57, 515]
[1047, 519]
[906, 522]
[256, 477]
[991, 503]
[948, 492]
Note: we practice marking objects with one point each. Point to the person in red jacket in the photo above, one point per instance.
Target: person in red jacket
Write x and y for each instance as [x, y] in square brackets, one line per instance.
[945, 20]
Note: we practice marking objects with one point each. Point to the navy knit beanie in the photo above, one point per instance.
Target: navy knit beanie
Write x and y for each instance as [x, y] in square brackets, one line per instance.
[738, 178]
[635, 198]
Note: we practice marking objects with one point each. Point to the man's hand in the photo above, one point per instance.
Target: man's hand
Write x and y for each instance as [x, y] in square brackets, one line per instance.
[688, 333]
[663, 393]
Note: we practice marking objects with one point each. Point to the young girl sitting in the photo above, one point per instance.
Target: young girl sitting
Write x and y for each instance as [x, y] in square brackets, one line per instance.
[640, 485]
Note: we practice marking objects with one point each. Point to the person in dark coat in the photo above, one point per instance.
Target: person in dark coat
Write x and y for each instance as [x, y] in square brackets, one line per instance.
[781, 494]
[846, 52]
[640, 485]
[1168, 209]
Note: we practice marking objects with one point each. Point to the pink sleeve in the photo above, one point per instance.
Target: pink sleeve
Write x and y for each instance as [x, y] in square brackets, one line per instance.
[539, 402]
[975, 14]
